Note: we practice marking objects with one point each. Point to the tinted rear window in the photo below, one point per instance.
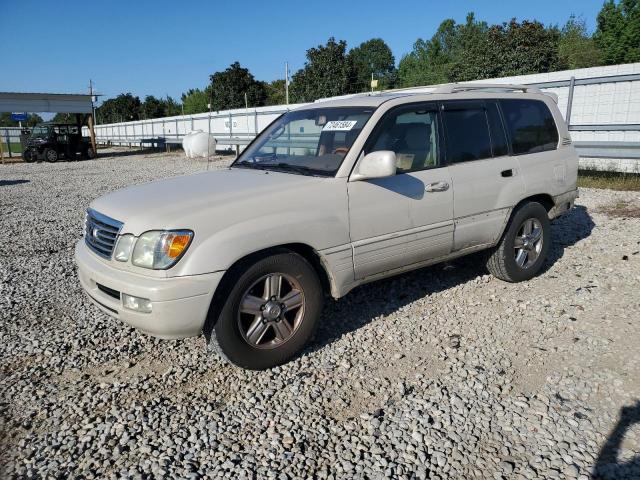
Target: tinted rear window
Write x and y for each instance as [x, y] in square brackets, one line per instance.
[467, 135]
[530, 125]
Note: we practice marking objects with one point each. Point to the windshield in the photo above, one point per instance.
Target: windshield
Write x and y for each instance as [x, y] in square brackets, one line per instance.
[40, 131]
[312, 142]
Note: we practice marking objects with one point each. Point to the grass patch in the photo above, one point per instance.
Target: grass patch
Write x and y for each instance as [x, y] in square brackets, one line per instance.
[610, 180]
[15, 147]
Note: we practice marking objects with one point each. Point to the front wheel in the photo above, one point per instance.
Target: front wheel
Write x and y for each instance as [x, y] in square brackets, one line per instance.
[28, 156]
[524, 245]
[270, 312]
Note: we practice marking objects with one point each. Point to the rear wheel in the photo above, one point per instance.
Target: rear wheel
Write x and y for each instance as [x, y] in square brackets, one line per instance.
[269, 314]
[524, 245]
[50, 155]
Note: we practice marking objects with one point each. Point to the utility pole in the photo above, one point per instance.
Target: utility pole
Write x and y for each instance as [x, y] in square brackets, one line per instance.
[286, 82]
[93, 107]
[92, 121]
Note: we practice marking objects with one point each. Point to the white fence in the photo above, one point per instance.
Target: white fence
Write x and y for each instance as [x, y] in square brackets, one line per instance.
[601, 105]
[232, 125]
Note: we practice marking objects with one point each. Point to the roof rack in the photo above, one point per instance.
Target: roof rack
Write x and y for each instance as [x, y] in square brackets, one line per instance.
[503, 87]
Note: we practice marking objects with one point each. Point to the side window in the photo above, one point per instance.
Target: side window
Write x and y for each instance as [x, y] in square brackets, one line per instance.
[530, 126]
[498, 137]
[412, 133]
[467, 133]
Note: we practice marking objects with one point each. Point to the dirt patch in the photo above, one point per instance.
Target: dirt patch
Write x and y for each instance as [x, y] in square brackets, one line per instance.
[622, 209]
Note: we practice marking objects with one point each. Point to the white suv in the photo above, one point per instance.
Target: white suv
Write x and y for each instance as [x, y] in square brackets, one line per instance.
[327, 197]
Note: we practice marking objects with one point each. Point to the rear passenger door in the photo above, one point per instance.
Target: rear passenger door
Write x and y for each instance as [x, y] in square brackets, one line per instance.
[486, 180]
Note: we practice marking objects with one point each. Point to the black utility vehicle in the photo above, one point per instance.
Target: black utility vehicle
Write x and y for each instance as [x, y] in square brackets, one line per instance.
[52, 141]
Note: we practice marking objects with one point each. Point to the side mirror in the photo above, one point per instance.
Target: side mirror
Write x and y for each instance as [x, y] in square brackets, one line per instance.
[378, 164]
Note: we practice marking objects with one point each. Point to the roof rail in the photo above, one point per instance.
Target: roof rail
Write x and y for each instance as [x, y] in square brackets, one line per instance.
[465, 87]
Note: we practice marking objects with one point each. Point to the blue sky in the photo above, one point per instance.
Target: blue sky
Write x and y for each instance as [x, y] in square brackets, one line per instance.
[164, 48]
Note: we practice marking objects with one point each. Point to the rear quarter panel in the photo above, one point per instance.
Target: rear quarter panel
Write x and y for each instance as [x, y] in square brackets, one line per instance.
[553, 172]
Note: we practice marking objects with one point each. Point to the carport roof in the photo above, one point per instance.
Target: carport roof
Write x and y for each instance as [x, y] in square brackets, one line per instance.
[45, 102]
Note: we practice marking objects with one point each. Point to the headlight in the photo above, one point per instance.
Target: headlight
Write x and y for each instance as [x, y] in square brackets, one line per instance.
[160, 250]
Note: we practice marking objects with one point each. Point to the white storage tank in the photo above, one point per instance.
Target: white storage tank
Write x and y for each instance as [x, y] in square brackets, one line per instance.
[187, 142]
[202, 145]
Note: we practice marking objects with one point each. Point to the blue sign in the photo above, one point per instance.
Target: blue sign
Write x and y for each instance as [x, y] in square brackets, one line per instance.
[19, 116]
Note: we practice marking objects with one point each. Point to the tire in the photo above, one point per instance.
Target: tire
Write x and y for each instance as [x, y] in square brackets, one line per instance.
[28, 156]
[90, 155]
[50, 155]
[506, 260]
[254, 337]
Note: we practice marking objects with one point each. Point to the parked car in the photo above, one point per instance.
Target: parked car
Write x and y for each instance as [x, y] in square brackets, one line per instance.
[52, 141]
[330, 196]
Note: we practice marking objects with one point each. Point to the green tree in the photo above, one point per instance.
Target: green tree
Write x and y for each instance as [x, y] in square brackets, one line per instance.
[64, 118]
[429, 62]
[327, 73]
[171, 107]
[124, 108]
[577, 49]
[618, 31]
[32, 120]
[523, 48]
[476, 50]
[195, 100]
[372, 57]
[152, 107]
[228, 89]
[276, 92]
[470, 51]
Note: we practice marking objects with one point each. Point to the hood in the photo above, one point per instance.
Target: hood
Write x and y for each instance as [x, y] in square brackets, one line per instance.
[187, 201]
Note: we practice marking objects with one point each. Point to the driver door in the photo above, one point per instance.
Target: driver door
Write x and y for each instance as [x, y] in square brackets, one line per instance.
[406, 218]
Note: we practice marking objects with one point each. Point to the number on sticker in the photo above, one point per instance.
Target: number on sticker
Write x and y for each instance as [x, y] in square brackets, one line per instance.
[339, 125]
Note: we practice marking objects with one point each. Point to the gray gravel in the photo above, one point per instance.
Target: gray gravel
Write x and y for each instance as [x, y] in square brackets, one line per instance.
[441, 373]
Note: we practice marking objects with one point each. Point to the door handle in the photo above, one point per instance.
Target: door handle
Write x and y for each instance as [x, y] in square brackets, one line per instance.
[507, 173]
[437, 187]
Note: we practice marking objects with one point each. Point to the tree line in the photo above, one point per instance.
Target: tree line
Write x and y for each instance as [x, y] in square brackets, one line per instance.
[471, 50]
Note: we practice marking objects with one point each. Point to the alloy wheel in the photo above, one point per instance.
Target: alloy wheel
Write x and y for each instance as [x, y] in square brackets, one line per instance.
[528, 243]
[271, 311]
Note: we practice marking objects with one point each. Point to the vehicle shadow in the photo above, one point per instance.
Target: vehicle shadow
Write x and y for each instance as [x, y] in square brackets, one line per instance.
[608, 466]
[7, 183]
[381, 298]
[566, 231]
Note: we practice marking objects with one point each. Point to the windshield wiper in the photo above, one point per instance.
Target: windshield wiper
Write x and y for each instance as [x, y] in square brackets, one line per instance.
[282, 167]
[301, 169]
[247, 164]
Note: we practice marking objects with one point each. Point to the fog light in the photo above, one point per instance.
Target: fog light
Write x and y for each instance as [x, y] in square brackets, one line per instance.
[138, 304]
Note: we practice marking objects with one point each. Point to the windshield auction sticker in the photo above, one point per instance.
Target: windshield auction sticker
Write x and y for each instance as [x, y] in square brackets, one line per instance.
[339, 125]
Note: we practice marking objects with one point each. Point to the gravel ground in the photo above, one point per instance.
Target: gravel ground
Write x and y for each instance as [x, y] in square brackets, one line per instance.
[441, 373]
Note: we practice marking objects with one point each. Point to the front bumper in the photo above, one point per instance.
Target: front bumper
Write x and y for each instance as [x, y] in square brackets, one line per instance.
[179, 304]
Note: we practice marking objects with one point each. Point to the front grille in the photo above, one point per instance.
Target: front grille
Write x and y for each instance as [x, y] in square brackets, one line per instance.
[101, 233]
